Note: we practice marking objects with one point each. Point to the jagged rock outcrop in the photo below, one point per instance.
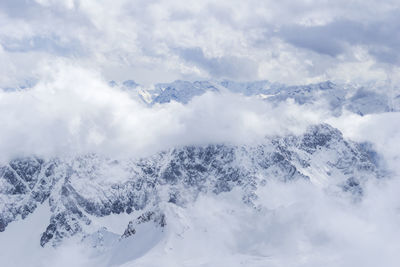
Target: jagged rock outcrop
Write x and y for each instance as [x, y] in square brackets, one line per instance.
[157, 218]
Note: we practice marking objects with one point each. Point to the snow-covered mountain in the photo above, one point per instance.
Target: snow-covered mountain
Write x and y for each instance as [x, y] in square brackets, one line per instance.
[86, 187]
[361, 100]
[337, 97]
[126, 211]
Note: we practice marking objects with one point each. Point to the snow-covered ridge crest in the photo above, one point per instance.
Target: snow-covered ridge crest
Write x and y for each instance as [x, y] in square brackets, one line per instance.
[360, 99]
[87, 187]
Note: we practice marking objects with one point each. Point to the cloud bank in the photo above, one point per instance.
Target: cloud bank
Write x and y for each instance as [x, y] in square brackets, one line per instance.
[72, 110]
[160, 41]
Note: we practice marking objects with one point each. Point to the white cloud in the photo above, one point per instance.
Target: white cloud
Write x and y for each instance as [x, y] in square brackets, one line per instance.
[144, 40]
[73, 110]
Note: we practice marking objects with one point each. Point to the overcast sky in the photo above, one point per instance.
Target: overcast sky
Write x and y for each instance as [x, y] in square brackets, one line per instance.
[159, 41]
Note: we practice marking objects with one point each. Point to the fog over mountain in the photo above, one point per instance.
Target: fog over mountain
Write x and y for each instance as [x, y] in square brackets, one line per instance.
[187, 133]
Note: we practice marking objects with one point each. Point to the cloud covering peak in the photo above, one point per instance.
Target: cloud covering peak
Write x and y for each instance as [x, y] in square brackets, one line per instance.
[73, 110]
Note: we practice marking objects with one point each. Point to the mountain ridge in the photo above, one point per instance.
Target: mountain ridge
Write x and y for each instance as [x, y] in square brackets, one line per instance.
[92, 185]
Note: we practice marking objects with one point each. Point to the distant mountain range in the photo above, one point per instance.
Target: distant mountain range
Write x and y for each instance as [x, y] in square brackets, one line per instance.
[358, 99]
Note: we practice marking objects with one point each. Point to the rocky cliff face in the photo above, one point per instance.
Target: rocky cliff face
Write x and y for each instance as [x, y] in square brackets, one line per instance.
[84, 187]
